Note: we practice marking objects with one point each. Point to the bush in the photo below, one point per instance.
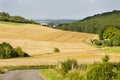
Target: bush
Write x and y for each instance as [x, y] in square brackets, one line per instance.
[7, 51]
[73, 75]
[97, 42]
[56, 50]
[108, 43]
[110, 32]
[105, 59]
[116, 39]
[19, 51]
[68, 65]
[102, 72]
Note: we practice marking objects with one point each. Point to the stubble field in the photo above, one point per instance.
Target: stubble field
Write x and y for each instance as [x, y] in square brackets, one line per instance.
[39, 42]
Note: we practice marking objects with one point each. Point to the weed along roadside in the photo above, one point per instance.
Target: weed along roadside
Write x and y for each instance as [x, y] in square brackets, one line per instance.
[10, 68]
[70, 70]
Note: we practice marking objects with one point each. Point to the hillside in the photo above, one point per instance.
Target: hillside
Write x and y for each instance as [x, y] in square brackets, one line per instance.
[94, 24]
[39, 42]
[36, 39]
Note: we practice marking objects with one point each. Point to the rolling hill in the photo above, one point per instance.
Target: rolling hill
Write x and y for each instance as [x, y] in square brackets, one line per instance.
[39, 42]
[94, 24]
[36, 39]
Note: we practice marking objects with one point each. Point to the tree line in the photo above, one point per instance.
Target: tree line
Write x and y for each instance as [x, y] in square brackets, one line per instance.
[93, 24]
[18, 19]
[107, 25]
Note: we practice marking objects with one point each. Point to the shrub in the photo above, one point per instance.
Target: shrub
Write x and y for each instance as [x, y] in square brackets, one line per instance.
[73, 75]
[110, 32]
[19, 51]
[108, 43]
[102, 72]
[116, 39]
[7, 51]
[56, 50]
[67, 66]
[105, 59]
[97, 42]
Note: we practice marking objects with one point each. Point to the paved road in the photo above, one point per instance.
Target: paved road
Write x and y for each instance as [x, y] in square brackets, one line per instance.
[21, 75]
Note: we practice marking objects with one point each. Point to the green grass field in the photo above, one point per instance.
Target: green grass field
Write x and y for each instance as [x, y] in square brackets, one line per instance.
[50, 74]
[111, 50]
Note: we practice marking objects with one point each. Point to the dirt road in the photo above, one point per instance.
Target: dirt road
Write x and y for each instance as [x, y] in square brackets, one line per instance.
[22, 75]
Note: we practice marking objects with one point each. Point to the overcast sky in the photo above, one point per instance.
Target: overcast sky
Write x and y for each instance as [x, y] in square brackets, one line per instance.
[58, 9]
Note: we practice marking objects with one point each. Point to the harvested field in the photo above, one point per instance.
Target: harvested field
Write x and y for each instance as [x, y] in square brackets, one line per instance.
[35, 39]
[53, 59]
[41, 33]
[39, 42]
[41, 47]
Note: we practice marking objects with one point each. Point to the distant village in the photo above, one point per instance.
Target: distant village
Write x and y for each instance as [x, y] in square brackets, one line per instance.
[53, 23]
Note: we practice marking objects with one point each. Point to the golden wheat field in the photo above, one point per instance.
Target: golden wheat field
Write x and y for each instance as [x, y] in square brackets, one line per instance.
[39, 42]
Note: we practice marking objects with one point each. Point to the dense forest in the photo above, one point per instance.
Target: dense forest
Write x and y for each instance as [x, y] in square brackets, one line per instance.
[94, 23]
[18, 19]
[107, 25]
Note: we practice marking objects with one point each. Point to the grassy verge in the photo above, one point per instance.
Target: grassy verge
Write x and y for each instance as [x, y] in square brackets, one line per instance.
[50, 74]
[8, 68]
[111, 50]
[107, 71]
[12, 23]
[106, 49]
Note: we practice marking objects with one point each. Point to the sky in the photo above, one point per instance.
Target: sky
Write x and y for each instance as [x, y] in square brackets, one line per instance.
[58, 9]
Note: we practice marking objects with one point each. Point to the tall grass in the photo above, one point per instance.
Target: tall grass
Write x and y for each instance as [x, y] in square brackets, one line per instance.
[8, 68]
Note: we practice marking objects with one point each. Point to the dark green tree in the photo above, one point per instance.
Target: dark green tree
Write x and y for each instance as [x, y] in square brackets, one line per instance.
[7, 51]
[116, 39]
[110, 32]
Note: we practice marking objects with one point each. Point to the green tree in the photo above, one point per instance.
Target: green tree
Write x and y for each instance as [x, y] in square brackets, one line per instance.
[2, 52]
[110, 32]
[7, 51]
[116, 39]
[107, 43]
[18, 19]
[19, 51]
[102, 71]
